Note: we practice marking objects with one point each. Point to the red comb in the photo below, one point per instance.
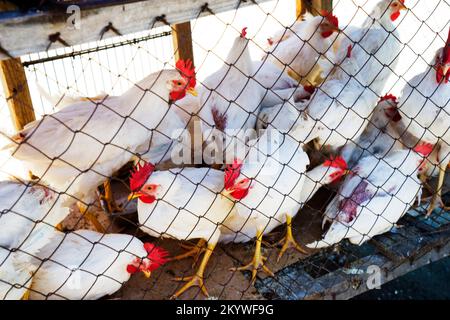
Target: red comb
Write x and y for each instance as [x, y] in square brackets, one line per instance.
[157, 255]
[139, 175]
[446, 53]
[309, 88]
[389, 97]
[244, 32]
[330, 17]
[424, 148]
[187, 71]
[337, 162]
[402, 1]
[392, 113]
[232, 172]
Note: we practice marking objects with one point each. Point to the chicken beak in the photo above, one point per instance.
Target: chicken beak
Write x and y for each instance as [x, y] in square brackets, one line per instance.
[336, 29]
[226, 193]
[147, 274]
[445, 69]
[133, 195]
[402, 6]
[192, 91]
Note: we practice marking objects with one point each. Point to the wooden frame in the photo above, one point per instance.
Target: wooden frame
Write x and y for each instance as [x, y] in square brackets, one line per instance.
[28, 33]
[17, 93]
[182, 41]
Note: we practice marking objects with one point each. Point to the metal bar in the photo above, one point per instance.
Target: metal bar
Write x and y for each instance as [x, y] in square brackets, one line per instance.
[97, 49]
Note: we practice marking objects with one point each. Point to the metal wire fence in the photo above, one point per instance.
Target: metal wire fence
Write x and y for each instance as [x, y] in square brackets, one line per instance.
[300, 157]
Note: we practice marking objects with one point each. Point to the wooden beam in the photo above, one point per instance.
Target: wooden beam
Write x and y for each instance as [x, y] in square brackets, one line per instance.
[300, 7]
[318, 5]
[182, 41]
[24, 33]
[17, 93]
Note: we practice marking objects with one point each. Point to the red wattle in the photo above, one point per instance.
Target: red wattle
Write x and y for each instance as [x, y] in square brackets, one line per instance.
[326, 34]
[132, 269]
[147, 199]
[177, 95]
[395, 15]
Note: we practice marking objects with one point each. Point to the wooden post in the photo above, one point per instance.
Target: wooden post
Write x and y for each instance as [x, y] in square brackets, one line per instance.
[300, 7]
[182, 41]
[318, 5]
[17, 93]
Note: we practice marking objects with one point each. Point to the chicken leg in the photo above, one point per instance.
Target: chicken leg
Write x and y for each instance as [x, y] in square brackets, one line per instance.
[91, 217]
[26, 295]
[257, 261]
[192, 251]
[436, 199]
[111, 203]
[288, 240]
[197, 279]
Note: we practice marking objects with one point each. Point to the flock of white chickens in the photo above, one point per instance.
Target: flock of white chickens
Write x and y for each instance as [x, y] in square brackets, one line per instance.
[316, 85]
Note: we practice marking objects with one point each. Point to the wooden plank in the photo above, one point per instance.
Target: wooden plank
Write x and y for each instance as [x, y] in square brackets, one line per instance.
[182, 41]
[17, 93]
[318, 5]
[24, 33]
[300, 7]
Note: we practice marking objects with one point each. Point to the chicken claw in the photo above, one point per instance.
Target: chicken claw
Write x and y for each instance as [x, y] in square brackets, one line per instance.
[197, 279]
[192, 251]
[288, 240]
[436, 199]
[257, 261]
[108, 198]
[84, 210]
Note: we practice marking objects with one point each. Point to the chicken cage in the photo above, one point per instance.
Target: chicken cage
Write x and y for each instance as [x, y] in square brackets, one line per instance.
[248, 149]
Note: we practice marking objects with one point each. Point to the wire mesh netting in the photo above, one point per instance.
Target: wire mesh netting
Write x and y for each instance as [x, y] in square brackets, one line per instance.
[301, 157]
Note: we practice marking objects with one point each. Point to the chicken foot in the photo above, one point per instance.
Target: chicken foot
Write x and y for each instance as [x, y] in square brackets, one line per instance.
[192, 251]
[257, 261]
[26, 295]
[197, 279]
[111, 204]
[436, 199]
[91, 217]
[288, 240]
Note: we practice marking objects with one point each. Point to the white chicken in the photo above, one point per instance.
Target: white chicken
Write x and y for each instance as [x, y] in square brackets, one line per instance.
[182, 204]
[22, 205]
[374, 197]
[17, 263]
[278, 86]
[79, 147]
[268, 184]
[299, 48]
[87, 265]
[380, 136]
[230, 97]
[341, 107]
[425, 110]
[159, 149]
[238, 228]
